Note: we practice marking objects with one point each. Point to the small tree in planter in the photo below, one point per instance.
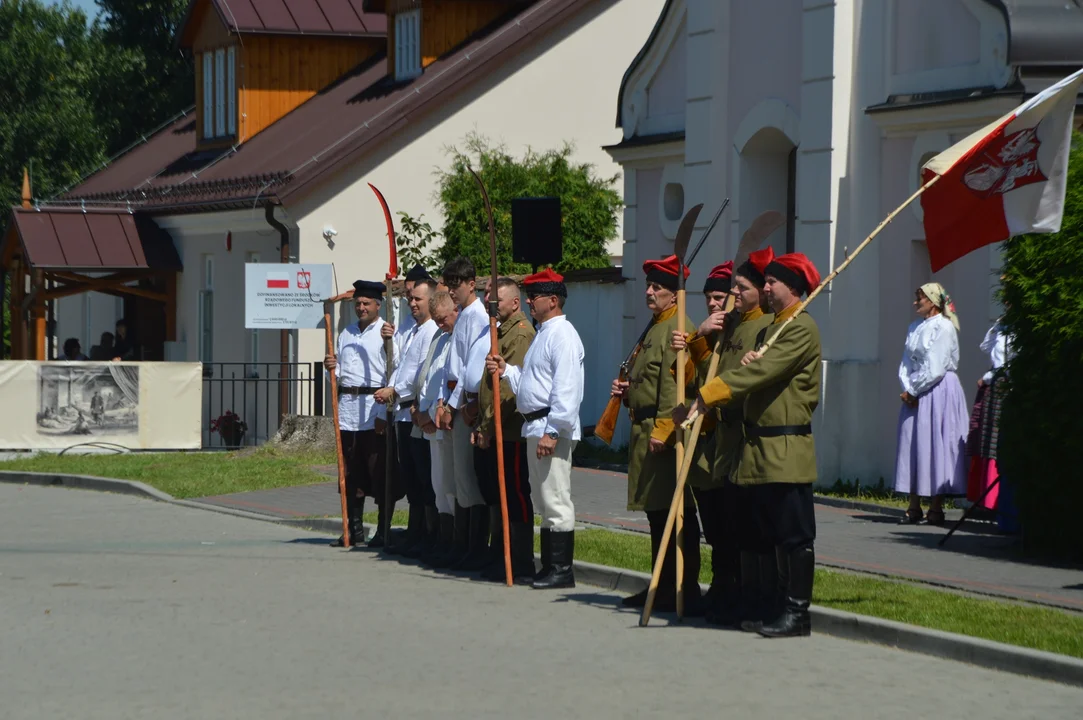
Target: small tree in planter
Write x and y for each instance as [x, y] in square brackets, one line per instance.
[230, 426]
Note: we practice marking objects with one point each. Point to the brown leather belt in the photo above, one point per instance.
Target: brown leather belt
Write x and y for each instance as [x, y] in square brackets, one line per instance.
[344, 390]
[758, 431]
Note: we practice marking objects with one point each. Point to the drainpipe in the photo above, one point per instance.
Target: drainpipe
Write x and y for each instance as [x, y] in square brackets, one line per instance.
[283, 336]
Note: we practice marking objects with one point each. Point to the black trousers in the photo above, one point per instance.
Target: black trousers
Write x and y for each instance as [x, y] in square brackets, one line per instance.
[365, 453]
[422, 459]
[717, 516]
[785, 514]
[657, 520]
[413, 465]
[516, 480]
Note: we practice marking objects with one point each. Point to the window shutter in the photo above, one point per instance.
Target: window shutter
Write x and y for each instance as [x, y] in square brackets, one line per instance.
[407, 44]
[220, 92]
[208, 96]
[231, 90]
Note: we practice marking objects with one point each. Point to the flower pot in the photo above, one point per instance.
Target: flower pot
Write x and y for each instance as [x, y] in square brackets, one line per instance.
[232, 436]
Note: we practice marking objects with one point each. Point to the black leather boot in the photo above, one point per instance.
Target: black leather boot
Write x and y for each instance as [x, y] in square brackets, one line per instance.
[378, 540]
[460, 543]
[795, 620]
[774, 574]
[414, 531]
[429, 536]
[725, 608]
[477, 555]
[354, 512]
[546, 553]
[444, 540]
[561, 571]
[495, 553]
[522, 552]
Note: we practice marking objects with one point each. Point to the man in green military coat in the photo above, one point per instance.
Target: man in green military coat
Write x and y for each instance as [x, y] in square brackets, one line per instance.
[779, 391]
[514, 336]
[651, 395]
[736, 588]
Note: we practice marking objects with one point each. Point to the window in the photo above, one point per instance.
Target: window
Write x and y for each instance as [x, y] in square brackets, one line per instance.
[231, 91]
[219, 93]
[206, 313]
[208, 96]
[407, 44]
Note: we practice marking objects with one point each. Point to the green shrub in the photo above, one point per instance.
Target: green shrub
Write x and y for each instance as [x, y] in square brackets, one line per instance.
[1041, 428]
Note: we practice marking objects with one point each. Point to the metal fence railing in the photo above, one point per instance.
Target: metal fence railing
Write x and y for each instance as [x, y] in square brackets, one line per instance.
[243, 403]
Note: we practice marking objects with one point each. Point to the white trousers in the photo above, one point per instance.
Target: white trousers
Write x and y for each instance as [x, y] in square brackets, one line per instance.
[467, 492]
[551, 483]
[440, 451]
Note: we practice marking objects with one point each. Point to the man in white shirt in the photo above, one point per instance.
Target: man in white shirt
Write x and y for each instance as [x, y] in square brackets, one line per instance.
[361, 364]
[413, 453]
[444, 313]
[548, 391]
[471, 513]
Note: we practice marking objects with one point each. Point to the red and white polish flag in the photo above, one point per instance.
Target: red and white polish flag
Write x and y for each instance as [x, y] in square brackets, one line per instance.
[278, 280]
[1004, 180]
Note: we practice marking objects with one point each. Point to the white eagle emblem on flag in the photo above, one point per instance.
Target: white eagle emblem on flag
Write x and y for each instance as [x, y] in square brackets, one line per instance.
[1006, 165]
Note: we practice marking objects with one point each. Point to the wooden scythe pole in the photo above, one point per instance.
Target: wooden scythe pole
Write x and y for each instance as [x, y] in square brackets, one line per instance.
[328, 326]
[494, 349]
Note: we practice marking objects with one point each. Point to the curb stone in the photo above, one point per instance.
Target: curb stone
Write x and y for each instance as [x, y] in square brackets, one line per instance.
[837, 623]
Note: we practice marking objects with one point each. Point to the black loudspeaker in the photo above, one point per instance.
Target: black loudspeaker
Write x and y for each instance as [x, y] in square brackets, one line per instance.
[537, 237]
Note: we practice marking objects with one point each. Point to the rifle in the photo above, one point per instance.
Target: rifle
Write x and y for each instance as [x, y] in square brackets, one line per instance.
[607, 424]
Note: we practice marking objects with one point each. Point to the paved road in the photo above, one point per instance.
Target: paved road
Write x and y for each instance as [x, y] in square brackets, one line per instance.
[976, 561]
[116, 607]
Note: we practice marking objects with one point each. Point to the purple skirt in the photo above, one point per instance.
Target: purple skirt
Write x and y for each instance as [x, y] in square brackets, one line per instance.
[931, 455]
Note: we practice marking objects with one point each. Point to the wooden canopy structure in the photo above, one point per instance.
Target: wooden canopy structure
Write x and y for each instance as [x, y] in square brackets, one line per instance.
[55, 253]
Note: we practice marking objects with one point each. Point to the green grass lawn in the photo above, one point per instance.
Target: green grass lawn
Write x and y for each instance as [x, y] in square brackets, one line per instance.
[1016, 624]
[188, 475]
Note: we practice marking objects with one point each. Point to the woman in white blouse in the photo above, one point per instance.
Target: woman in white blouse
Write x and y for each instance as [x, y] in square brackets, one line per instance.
[933, 421]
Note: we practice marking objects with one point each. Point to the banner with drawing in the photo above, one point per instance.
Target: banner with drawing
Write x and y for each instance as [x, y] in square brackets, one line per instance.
[137, 405]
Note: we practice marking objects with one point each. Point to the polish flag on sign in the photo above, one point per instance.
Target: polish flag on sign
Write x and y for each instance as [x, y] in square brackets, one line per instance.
[1004, 180]
[278, 280]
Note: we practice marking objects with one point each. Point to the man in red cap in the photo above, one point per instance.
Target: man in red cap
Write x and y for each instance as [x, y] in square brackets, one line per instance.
[735, 591]
[651, 395]
[779, 391]
[548, 392]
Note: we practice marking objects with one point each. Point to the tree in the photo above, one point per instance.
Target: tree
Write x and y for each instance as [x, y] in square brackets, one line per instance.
[1040, 420]
[46, 74]
[589, 204]
[142, 80]
[412, 242]
[48, 125]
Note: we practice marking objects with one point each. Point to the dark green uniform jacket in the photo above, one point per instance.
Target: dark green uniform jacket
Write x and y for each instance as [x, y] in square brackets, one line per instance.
[781, 388]
[513, 339]
[729, 432]
[652, 390]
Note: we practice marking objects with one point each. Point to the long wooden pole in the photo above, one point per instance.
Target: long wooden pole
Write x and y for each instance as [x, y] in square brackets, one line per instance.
[346, 539]
[681, 357]
[494, 349]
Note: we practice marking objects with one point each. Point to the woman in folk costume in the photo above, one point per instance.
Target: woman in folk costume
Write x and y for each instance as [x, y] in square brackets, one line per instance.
[981, 445]
[933, 422]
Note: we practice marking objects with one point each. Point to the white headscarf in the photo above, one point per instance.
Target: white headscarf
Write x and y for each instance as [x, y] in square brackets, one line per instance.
[939, 296]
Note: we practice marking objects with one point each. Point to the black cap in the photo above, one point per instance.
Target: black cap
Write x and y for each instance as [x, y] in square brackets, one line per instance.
[418, 273]
[368, 289]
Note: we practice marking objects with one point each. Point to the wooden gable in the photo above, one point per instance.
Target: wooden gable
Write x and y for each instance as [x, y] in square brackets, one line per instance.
[263, 76]
[445, 24]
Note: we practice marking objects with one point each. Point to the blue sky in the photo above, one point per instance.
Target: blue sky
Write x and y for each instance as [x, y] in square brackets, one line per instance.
[87, 6]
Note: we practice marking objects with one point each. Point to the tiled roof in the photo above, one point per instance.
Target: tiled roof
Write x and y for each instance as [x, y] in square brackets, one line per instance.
[336, 127]
[97, 239]
[294, 17]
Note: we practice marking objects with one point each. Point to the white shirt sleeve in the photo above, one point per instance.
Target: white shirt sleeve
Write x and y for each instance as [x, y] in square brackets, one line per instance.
[567, 393]
[514, 375]
[936, 361]
[905, 364]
